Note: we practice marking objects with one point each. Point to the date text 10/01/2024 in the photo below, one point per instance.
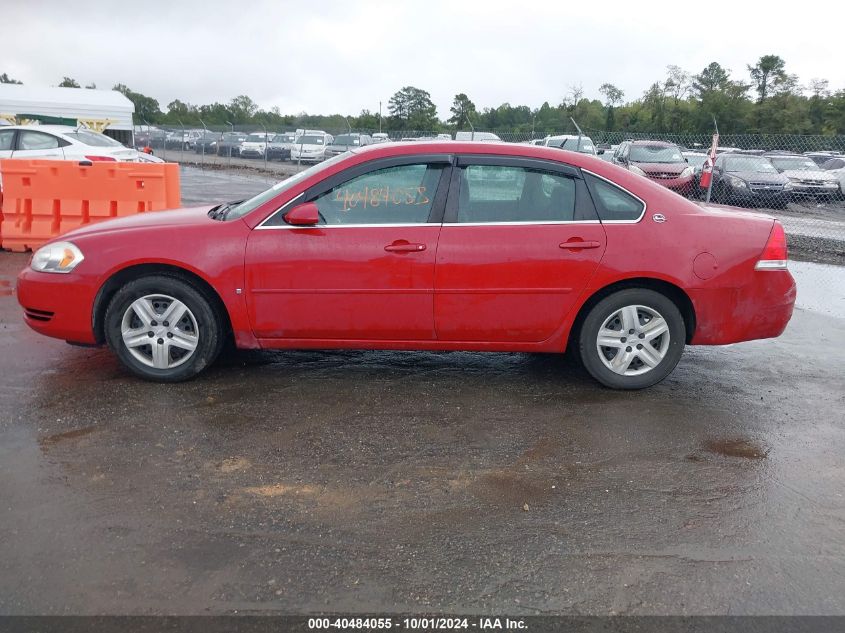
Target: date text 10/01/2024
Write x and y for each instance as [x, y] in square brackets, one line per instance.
[418, 623]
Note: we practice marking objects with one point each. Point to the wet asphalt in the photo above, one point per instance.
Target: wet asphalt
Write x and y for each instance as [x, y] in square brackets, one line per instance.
[293, 482]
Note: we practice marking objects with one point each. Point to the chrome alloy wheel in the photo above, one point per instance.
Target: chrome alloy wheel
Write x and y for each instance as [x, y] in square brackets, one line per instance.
[160, 331]
[633, 340]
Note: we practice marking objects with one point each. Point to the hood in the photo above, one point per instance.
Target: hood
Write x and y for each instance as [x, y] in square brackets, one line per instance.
[308, 148]
[253, 144]
[177, 217]
[756, 176]
[662, 168]
[809, 174]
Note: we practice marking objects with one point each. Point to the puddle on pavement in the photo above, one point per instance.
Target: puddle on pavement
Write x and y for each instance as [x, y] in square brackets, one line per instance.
[737, 447]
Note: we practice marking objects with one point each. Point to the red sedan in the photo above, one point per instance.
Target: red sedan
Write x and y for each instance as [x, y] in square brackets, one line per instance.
[423, 246]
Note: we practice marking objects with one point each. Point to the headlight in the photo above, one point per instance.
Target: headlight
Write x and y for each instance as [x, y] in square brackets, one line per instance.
[636, 170]
[687, 172]
[60, 257]
[787, 185]
[739, 183]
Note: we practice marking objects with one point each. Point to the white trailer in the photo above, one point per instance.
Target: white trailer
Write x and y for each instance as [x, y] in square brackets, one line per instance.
[106, 111]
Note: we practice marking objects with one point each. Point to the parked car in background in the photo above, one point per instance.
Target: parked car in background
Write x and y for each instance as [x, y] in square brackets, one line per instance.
[230, 144]
[696, 160]
[808, 179]
[749, 179]
[61, 142]
[280, 146]
[255, 145]
[477, 136]
[836, 167]
[380, 137]
[150, 137]
[606, 152]
[206, 143]
[659, 161]
[573, 143]
[345, 142]
[182, 139]
[310, 146]
[531, 250]
[820, 158]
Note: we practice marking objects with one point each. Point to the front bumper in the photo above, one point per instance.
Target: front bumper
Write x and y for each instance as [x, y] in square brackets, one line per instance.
[58, 305]
[683, 186]
[759, 195]
[815, 190]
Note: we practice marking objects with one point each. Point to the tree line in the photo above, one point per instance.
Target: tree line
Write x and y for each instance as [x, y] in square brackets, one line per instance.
[765, 98]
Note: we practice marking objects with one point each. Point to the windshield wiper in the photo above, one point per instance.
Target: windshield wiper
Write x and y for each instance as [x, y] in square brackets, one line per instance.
[219, 212]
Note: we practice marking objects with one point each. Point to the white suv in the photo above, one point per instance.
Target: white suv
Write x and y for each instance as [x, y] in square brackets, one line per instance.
[61, 142]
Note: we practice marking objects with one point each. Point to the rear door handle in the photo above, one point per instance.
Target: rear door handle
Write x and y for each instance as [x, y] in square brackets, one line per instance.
[576, 244]
[404, 247]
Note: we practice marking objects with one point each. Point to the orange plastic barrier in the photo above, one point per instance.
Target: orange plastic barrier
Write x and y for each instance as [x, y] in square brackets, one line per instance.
[45, 198]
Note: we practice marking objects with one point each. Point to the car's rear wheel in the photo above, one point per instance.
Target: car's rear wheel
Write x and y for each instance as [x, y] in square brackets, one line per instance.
[632, 339]
[162, 328]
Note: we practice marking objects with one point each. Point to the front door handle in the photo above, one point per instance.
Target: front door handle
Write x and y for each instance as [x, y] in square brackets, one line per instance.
[579, 243]
[401, 246]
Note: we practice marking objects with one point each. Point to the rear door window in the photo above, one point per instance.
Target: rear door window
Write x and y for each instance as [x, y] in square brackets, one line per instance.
[492, 193]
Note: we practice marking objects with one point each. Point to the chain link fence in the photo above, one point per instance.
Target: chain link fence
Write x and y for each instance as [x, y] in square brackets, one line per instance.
[799, 179]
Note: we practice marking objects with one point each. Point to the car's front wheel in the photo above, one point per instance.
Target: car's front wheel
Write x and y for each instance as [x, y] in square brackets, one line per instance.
[632, 339]
[163, 328]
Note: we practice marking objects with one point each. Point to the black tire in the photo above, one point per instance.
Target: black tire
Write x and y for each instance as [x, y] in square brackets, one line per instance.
[606, 308]
[209, 328]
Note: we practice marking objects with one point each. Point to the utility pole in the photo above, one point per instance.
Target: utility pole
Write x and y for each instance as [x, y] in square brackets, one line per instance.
[379, 117]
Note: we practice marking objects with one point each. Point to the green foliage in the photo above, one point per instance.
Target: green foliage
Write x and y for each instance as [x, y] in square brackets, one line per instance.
[5, 79]
[412, 109]
[678, 103]
[146, 108]
[463, 110]
[69, 82]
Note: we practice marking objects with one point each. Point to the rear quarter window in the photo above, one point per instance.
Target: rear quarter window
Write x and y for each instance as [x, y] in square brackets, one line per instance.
[613, 203]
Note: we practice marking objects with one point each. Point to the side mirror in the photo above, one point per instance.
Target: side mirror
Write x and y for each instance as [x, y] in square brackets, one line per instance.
[306, 214]
[600, 152]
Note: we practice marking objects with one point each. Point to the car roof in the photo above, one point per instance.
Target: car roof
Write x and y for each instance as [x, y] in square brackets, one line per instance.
[57, 129]
[576, 159]
[647, 142]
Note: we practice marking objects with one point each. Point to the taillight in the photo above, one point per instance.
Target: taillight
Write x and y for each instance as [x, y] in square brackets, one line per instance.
[101, 158]
[774, 254]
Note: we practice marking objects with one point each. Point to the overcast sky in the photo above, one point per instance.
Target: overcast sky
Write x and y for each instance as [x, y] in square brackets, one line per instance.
[324, 57]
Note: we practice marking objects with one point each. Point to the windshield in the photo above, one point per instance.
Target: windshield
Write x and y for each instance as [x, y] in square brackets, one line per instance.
[283, 138]
[256, 138]
[247, 206]
[347, 139]
[696, 160]
[93, 139]
[796, 163]
[655, 154]
[749, 163]
[310, 140]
